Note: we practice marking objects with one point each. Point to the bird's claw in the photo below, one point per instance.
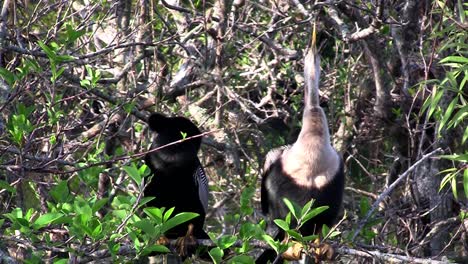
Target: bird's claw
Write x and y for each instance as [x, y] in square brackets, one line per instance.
[187, 245]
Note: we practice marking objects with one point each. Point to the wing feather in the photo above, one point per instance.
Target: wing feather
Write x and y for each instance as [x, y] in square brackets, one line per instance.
[202, 183]
[271, 157]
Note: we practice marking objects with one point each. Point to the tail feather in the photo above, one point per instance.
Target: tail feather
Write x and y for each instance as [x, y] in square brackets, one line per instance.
[312, 73]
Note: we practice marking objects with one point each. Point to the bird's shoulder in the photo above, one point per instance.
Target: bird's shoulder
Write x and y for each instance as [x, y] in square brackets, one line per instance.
[273, 155]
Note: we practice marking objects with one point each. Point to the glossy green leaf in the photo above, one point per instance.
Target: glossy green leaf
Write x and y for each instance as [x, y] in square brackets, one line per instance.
[453, 183]
[46, 219]
[99, 204]
[457, 59]
[154, 213]
[226, 241]
[242, 259]
[177, 220]
[294, 234]
[5, 186]
[456, 157]
[292, 208]
[216, 255]
[307, 207]
[8, 76]
[146, 226]
[133, 172]
[315, 211]
[155, 248]
[168, 214]
[271, 242]
[282, 224]
[448, 113]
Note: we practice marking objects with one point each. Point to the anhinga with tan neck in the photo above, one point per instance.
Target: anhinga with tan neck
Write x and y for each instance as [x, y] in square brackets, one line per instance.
[308, 169]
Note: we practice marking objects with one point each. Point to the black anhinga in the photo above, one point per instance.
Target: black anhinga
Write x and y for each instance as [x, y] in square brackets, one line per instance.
[308, 169]
[178, 177]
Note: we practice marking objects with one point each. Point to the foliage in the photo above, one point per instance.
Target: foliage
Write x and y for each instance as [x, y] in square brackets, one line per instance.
[78, 78]
[455, 114]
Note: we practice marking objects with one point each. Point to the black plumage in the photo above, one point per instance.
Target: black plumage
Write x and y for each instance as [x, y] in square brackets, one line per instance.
[308, 169]
[179, 179]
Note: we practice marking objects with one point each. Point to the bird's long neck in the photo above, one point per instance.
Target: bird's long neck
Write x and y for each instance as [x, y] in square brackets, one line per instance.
[314, 122]
[311, 78]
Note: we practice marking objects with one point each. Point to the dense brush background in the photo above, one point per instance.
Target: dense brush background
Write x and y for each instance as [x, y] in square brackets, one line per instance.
[78, 79]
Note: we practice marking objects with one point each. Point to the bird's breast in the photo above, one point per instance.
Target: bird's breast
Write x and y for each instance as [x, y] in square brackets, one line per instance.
[309, 167]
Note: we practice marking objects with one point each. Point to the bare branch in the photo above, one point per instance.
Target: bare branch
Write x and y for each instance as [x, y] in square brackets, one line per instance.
[390, 188]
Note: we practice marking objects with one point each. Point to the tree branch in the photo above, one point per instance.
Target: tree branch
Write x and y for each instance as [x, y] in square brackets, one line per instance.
[391, 188]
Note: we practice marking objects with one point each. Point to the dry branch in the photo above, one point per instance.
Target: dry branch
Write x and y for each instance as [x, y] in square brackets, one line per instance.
[391, 188]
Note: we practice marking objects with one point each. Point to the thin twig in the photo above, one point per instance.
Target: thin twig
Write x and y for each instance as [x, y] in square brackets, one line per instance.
[391, 188]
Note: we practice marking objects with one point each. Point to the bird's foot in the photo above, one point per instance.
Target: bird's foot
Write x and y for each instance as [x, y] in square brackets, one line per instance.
[187, 245]
[323, 251]
[163, 240]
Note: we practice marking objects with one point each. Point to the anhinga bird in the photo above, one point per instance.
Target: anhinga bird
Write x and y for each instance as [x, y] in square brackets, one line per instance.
[308, 169]
[178, 177]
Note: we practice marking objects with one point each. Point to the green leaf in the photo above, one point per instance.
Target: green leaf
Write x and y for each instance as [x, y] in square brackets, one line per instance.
[168, 214]
[316, 211]
[447, 178]
[447, 114]
[465, 182]
[155, 248]
[4, 185]
[177, 220]
[453, 182]
[249, 230]
[456, 157]
[461, 11]
[271, 242]
[85, 83]
[434, 102]
[216, 255]
[99, 204]
[293, 208]
[46, 219]
[456, 59]
[460, 116]
[154, 213]
[72, 34]
[310, 238]
[282, 224]
[8, 76]
[294, 234]
[61, 261]
[325, 230]
[146, 226]
[48, 51]
[226, 241]
[60, 192]
[242, 259]
[245, 200]
[133, 172]
[307, 207]
[364, 206]
[145, 200]
[465, 135]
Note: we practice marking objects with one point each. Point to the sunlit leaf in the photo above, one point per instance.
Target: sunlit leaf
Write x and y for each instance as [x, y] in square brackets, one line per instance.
[133, 172]
[282, 224]
[146, 226]
[226, 241]
[316, 211]
[465, 182]
[46, 219]
[216, 255]
[177, 220]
